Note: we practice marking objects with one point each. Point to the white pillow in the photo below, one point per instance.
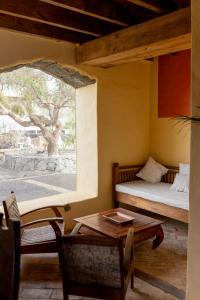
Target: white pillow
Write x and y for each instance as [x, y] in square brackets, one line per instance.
[184, 169]
[181, 183]
[152, 171]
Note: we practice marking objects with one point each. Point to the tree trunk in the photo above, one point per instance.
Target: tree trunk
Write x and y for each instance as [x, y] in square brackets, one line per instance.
[52, 148]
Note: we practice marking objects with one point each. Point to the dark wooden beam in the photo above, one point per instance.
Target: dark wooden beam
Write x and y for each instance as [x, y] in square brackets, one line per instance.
[45, 30]
[153, 5]
[57, 16]
[166, 34]
[103, 9]
[159, 6]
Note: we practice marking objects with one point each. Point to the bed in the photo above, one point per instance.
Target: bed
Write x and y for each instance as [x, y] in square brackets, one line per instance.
[157, 197]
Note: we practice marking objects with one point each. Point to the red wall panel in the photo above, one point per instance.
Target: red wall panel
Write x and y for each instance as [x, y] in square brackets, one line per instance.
[174, 84]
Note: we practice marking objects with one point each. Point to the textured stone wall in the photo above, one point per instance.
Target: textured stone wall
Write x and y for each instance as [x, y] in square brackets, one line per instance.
[63, 164]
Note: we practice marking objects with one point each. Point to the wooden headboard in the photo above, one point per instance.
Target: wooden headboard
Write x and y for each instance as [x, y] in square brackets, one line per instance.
[122, 174]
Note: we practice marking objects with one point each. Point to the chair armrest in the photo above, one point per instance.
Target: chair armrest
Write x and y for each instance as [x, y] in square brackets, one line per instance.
[51, 221]
[54, 208]
[128, 251]
[76, 229]
[60, 220]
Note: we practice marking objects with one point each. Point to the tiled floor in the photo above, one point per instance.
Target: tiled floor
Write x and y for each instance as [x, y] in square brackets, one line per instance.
[40, 275]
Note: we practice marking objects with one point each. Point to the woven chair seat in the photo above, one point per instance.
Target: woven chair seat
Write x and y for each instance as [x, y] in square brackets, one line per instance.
[39, 234]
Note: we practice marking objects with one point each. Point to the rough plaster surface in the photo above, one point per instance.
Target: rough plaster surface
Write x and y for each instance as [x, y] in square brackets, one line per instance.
[66, 74]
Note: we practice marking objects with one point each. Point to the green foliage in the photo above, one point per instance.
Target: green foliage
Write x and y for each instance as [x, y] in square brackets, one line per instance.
[28, 90]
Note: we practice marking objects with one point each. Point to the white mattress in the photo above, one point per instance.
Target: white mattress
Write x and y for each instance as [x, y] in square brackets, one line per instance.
[157, 192]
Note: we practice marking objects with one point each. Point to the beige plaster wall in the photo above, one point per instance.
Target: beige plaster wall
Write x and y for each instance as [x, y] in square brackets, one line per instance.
[169, 140]
[86, 140]
[21, 48]
[193, 283]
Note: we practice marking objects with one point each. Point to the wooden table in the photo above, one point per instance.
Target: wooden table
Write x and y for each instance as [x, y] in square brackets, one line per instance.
[144, 227]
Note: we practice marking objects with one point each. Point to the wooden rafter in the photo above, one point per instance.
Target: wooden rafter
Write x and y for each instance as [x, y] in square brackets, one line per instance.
[105, 10]
[38, 11]
[45, 30]
[154, 5]
[162, 35]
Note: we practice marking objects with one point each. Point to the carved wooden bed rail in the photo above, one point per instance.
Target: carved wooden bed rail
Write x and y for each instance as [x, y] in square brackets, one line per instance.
[128, 173]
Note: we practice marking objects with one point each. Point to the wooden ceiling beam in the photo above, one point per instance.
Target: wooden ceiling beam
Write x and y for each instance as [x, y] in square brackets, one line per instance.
[44, 30]
[104, 10]
[153, 5]
[162, 35]
[50, 14]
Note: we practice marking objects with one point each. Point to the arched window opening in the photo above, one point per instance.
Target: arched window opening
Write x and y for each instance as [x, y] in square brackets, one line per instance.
[38, 140]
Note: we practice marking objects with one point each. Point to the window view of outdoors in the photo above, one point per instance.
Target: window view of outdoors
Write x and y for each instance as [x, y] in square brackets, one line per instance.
[37, 135]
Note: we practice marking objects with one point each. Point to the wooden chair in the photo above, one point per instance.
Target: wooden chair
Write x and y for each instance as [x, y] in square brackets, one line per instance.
[40, 239]
[94, 266]
[9, 259]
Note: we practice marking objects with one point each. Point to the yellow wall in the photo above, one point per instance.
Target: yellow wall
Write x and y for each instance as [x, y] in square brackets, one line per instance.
[169, 141]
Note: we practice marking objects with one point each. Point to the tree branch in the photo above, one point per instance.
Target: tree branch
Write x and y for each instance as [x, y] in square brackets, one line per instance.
[20, 121]
[42, 119]
[45, 132]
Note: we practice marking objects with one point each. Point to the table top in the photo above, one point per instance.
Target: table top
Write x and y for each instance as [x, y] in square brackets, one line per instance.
[104, 226]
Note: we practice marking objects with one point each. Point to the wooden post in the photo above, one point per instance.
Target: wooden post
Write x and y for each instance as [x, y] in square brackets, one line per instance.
[115, 180]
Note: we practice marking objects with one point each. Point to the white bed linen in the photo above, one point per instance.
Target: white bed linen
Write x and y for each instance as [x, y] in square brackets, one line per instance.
[157, 192]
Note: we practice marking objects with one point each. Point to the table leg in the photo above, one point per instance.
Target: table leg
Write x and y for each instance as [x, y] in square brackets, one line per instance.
[132, 280]
[159, 237]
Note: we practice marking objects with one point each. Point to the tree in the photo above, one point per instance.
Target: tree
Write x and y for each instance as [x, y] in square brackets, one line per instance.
[33, 98]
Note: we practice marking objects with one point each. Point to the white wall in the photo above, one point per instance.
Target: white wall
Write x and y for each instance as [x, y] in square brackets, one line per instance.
[86, 136]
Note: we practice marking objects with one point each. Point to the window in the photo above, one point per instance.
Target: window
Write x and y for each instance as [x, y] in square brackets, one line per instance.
[38, 140]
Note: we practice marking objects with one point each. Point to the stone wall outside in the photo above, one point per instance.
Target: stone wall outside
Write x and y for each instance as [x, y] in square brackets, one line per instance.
[63, 164]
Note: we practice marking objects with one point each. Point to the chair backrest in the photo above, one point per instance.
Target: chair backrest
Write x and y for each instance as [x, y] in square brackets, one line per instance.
[11, 208]
[91, 260]
[9, 259]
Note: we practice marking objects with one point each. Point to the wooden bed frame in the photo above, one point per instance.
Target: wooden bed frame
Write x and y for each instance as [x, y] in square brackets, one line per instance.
[122, 174]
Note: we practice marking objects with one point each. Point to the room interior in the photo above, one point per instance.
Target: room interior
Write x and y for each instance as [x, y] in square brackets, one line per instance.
[133, 120]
